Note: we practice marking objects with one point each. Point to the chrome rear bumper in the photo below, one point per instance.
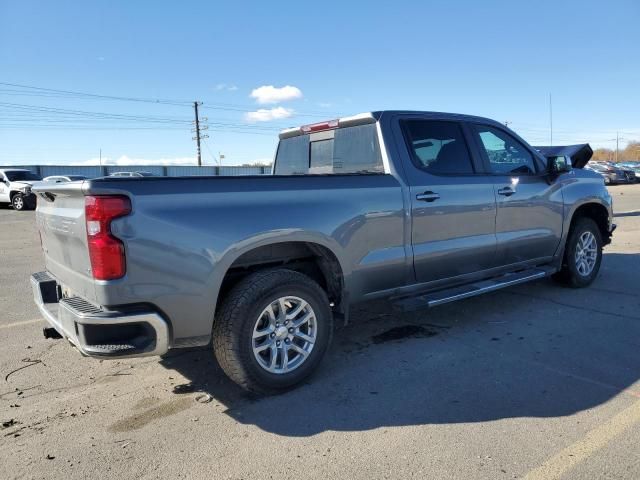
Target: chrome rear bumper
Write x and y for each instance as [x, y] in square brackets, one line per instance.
[98, 332]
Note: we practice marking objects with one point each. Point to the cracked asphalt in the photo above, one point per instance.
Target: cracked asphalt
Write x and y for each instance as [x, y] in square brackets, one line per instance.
[534, 382]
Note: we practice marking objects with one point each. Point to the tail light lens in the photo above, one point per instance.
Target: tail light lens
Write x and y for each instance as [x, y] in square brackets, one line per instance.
[105, 251]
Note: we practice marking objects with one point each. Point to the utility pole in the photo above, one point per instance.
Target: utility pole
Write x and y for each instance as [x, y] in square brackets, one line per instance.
[550, 121]
[197, 129]
[197, 137]
[507, 123]
[617, 144]
[101, 157]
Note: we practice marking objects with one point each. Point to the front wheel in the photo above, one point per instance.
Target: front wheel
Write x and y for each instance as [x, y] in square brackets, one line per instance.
[272, 330]
[583, 254]
[18, 202]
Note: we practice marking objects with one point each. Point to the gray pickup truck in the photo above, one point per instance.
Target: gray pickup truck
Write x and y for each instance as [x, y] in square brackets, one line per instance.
[421, 208]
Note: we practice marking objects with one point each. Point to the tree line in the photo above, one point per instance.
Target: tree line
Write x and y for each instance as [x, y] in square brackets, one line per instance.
[630, 153]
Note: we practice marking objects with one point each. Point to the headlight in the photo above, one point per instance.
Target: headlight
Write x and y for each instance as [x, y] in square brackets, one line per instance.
[26, 189]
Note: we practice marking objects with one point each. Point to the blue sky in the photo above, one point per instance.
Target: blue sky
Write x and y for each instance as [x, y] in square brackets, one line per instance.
[499, 59]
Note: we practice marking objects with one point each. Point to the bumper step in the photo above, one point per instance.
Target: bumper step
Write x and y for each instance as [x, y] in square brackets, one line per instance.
[97, 331]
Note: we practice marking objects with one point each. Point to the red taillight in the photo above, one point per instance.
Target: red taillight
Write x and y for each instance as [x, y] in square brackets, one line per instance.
[318, 127]
[105, 251]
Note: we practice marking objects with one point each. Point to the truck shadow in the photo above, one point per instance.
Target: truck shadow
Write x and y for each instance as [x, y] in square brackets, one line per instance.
[535, 350]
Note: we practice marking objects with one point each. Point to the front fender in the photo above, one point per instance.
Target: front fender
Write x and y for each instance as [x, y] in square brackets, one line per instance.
[580, 189]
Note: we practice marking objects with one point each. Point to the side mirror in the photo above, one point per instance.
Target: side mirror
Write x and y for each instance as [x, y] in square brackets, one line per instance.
[558, 165]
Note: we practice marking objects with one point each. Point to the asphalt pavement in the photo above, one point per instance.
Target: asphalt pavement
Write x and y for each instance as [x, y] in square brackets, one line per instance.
[535, 381]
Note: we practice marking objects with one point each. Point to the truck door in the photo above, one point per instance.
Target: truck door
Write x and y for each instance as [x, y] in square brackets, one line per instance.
[453, 205]
[530, 209]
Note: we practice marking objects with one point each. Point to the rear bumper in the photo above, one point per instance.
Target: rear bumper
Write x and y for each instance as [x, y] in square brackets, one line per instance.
[98, 332]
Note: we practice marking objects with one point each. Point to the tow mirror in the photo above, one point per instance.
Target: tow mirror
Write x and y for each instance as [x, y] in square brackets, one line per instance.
[558, 165]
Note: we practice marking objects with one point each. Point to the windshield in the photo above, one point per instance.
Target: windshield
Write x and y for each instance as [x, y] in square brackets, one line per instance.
[21, 175]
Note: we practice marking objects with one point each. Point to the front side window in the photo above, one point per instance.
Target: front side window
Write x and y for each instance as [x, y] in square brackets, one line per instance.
[506, 155]
[438, 147]
[344, 150]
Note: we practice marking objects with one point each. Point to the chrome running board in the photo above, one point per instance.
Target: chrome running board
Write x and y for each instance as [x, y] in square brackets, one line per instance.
[440, 297]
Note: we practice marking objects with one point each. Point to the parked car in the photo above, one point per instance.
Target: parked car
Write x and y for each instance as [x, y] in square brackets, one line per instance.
[612, 175]
[15, 188]
[131, 174]
[635, 168]
[64, 178]
[420, 208]
[629, 173]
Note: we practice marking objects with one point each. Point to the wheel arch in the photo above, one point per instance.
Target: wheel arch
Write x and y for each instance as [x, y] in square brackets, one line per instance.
[317, 258]
[599, 213]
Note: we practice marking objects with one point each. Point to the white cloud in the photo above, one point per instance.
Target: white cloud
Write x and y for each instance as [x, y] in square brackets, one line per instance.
[268, 114]
[270, 94]
[225, 86]
[325, 104]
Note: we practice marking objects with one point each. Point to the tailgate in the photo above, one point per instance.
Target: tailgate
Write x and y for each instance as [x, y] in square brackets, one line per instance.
[60, 220]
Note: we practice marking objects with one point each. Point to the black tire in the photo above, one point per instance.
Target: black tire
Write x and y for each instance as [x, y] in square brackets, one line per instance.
[569, 274]
[18, 202]
[237, 316]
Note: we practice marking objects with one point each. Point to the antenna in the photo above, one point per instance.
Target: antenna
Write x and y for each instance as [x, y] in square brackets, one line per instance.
[550, 121]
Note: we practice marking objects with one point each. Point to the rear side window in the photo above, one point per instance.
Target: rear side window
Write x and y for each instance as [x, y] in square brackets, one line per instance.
[438, 147]
[344, 150]
[506, 154]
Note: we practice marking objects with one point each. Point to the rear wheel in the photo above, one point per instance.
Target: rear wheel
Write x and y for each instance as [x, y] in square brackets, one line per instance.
[582, 255]
[272, 330]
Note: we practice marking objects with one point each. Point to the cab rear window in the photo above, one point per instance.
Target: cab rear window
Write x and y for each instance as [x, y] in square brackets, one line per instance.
[341, 151]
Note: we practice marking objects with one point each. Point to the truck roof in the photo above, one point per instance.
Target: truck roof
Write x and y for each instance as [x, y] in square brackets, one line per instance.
[371, 117]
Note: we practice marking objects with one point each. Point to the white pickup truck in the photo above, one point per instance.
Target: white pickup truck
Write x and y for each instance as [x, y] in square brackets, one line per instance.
[15, 188]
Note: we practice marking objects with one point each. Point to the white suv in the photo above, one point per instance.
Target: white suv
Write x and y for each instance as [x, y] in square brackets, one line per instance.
[15, 188]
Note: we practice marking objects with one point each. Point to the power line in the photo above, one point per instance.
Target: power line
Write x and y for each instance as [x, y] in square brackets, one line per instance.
[213, 157]
[95, 95]
[31, 115]
[30, 90]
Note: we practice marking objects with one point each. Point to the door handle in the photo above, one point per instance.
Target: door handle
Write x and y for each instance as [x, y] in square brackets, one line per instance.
[506, 191]
[427, 196]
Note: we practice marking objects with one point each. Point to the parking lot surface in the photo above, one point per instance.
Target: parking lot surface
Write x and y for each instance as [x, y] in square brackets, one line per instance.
[534, 382]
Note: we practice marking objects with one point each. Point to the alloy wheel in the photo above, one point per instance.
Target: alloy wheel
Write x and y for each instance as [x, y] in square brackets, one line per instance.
[284, 335]
[586, 253]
